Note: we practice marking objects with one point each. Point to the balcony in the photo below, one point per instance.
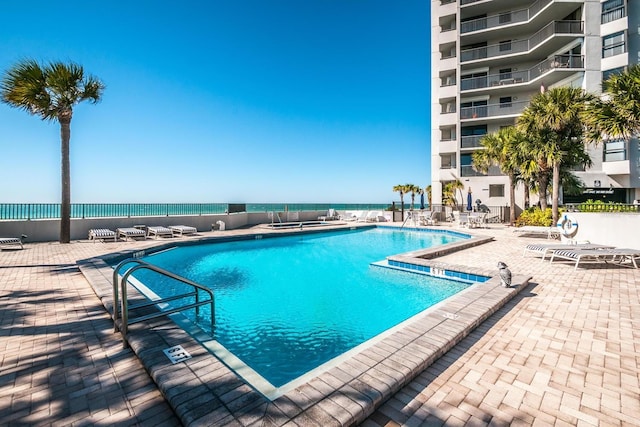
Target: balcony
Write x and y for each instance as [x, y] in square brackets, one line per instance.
[558, 62]
[472, 141]
[554, 28]
[493, 110]
[467, 171]
[541, 11]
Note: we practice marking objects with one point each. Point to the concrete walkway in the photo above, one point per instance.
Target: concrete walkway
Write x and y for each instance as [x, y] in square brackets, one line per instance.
[562, 352]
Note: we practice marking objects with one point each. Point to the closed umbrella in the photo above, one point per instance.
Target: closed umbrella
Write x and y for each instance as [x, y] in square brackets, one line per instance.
[469, 200]
[421, 201]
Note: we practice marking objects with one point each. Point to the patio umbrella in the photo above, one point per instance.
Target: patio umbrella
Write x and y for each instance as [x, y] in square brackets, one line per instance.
[469, 200]
[421, 201]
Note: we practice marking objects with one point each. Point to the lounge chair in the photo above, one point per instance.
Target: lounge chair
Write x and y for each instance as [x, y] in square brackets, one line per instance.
[361, 216]
[373, 216]
[348, 216]
[545, 249]
[12, 241]
[127, 233]
[330, 216]
[550, 232]
[159, 231]
[617, 255]
[181, 230]
[429, 218]
[102, 234]
[477, 220]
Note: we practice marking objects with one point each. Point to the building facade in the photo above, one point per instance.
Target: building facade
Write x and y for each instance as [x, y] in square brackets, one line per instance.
[490, 57]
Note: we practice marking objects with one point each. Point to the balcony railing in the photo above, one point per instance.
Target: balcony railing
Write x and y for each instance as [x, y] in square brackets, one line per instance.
[464, 2]
[493, 110]
[504, 18]
[469, 171]
[514, 77]
[472, 141]
[519, 46]
[614, 14]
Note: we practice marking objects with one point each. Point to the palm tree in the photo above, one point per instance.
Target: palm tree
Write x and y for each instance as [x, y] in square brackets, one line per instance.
[413, 189]
[51, 91]
[502, 148]
[554, 132]
[449, 193]
[429, 192]
[617, 115]
[402, 190]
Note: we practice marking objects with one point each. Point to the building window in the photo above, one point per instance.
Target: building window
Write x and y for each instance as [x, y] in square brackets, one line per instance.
[615, 150]
[496, 190]
[612, 10]
[505, 73]
[505, 45]
[448, 134]
[608, 73]
[448, 161]
[613, 44]
[505, 102]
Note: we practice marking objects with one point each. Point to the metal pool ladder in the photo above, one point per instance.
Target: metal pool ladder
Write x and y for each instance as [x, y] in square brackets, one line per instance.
[122, 307]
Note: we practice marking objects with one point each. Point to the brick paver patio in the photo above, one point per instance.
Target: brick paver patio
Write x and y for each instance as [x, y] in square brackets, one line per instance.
[562, 352]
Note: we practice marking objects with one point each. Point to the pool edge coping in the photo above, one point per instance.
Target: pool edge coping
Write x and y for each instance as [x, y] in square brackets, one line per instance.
[202, 390]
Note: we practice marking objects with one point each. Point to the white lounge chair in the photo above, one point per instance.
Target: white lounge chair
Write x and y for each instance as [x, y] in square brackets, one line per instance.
[12, 241]
[477, 220]
[550, 232]
[361, 216]
[127, 233]
[159, 231]
[348, 216]
[181, 230]
[102, 234]
[330, 216]
[545, 249]
[617, 255]
[372, 216]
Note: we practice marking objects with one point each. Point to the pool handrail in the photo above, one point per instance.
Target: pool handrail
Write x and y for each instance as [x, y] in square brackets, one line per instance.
[162, 312]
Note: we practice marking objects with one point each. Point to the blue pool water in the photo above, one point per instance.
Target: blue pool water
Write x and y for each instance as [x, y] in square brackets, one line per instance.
[286, 305]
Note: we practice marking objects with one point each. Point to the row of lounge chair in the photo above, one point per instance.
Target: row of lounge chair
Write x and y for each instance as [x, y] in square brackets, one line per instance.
[127, 233]
[365, 216]
[581, 252]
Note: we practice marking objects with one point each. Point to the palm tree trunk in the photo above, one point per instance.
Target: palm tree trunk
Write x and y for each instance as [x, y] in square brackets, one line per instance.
[512, 199]
[543, 185]
[555, 192]
[527, 202]
[65, 204]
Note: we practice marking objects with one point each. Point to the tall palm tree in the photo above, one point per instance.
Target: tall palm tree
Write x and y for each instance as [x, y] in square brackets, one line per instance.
[402, 190]
[502, 148]
[617, 114]
[449, 193]
[555, 132]
[413, 189]
[429, 191]
[51, 91]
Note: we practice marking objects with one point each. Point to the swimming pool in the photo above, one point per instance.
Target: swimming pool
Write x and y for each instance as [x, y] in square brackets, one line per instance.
[286, 305]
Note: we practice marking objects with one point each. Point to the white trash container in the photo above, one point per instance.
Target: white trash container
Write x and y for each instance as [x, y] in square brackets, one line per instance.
[221, 225]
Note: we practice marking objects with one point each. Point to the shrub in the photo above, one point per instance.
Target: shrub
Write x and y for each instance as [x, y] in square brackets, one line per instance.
[535, 216]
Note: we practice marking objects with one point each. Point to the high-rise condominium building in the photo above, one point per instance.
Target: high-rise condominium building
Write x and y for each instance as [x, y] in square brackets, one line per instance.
[490, 57]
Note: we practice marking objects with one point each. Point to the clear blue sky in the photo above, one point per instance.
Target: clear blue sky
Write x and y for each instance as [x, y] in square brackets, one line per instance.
[225, 101]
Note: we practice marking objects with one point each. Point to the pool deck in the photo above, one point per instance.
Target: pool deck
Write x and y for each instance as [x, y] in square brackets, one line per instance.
[561, 351]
